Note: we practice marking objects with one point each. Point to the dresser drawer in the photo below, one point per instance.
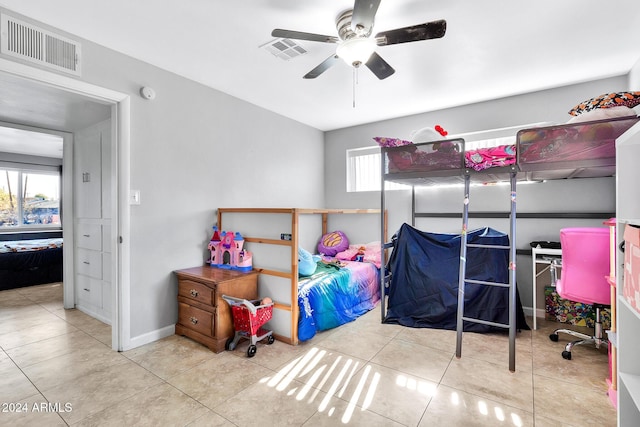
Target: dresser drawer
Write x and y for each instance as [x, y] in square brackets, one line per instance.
[89, 292]
[89, 236]
[89, 263]
[196, 291]
[195, 319]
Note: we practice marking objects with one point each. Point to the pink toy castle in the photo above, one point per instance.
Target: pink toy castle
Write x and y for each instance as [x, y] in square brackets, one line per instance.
[226, 251]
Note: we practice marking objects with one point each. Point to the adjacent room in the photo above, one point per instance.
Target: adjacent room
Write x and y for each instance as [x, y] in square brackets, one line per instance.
[310, 213]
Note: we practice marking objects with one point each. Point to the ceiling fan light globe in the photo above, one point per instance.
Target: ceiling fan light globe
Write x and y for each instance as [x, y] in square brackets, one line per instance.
[356, 50]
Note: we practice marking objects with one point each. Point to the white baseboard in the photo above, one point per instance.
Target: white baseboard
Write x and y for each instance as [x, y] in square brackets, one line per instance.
[149, 337]
[94, 313]
[528, 311]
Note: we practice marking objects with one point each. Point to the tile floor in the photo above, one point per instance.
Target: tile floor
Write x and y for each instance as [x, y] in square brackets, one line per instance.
[57, 368]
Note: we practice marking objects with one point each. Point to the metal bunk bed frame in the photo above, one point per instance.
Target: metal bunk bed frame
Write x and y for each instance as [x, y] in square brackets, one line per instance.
[456, 175]
[587, 134]
[461, 318]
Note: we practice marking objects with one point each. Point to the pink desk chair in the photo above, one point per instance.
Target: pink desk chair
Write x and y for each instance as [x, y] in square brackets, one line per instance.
[585, 265]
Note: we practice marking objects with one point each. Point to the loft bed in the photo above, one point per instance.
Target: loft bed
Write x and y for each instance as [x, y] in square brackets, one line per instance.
[574, 150]
[30, 259]
[338, 292]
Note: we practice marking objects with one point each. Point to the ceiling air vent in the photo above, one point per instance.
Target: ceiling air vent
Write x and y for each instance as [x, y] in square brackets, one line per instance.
[284, 48]
[26, 41]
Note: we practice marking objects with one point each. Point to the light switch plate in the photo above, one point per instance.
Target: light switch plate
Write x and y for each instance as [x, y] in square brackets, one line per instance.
[134, 197]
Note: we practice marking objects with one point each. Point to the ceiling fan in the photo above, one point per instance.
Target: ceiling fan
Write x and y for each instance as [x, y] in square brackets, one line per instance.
[355, 44]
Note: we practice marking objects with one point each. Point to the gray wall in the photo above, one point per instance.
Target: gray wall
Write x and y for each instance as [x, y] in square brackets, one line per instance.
[194, 149]
[591, 195]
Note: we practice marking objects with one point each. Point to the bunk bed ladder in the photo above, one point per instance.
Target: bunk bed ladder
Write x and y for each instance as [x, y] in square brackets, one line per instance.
[461, 318]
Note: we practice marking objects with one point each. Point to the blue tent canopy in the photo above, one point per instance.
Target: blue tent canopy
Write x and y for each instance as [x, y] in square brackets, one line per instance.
[423, 292]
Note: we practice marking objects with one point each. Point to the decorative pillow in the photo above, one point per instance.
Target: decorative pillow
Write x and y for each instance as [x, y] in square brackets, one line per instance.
[332, 243]
[306, 263]
[607, 100]
[390, 142]
[602, 114]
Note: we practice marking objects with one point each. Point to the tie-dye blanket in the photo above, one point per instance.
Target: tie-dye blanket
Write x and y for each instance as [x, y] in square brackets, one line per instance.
[336, 295]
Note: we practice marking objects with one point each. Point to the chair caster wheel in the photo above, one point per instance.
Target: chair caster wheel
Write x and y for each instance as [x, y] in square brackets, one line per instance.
[251, 351]
[566, 355]
[553, 337]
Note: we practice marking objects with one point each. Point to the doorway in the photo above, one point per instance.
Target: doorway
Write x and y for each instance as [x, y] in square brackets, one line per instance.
[18, 84]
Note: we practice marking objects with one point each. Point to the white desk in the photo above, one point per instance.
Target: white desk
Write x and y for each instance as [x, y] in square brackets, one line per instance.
[541, 256]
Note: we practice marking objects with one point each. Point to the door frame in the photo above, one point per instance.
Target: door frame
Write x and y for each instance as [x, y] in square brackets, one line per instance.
[120, 176]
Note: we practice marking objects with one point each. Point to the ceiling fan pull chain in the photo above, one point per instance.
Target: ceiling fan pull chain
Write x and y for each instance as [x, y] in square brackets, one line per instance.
[355, 81]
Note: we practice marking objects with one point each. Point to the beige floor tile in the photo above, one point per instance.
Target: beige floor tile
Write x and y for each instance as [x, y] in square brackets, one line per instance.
[32, 411]
[43, 293]
[211, 419]
[13, 298]
[74, 316]
[363, 345]
[494, 348]
[35, 333]
[25, 320]
[100, 389]
[414, 359]
[390, 393]
[491, 381]
[138, 351]
[455, 408]
[547, 421]
[321, 368]
[372, 322]
[174, 358]
[590, 405]
[69, 367]
[15, 384]
[160, 405]
[264, 404]
[439, 339]
[364, 373]
[349, 414]
[49, 348]
[588, 366]
[275, 355]
[214, 381]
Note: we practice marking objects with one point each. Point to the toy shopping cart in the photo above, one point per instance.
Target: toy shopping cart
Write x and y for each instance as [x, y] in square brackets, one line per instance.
[248, 318]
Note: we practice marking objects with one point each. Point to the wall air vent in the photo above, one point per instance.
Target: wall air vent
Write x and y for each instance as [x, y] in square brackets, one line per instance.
[19, 39]
[284, 48]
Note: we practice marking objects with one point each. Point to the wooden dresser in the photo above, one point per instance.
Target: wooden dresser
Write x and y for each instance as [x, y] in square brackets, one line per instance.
[202, 313]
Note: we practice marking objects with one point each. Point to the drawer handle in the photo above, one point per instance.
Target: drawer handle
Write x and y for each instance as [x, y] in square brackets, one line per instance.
[193, 293]
[86, 262]
[194, 320]
[88, 290]
[86, 235]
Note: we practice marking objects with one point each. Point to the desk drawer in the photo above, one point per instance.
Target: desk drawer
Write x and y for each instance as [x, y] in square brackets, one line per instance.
[196, 291]
[196, 319]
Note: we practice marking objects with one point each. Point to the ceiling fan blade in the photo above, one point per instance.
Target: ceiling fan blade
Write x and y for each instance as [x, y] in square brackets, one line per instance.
[379, 66]
[322, 67]
[299, 35]
[364, 13]
[414, 33]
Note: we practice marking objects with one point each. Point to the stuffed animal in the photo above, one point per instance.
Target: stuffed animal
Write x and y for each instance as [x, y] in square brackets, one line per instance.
[307, 263]
[431, 134]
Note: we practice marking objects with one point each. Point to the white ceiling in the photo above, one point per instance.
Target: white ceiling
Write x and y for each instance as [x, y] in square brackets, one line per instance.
[492, 49]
